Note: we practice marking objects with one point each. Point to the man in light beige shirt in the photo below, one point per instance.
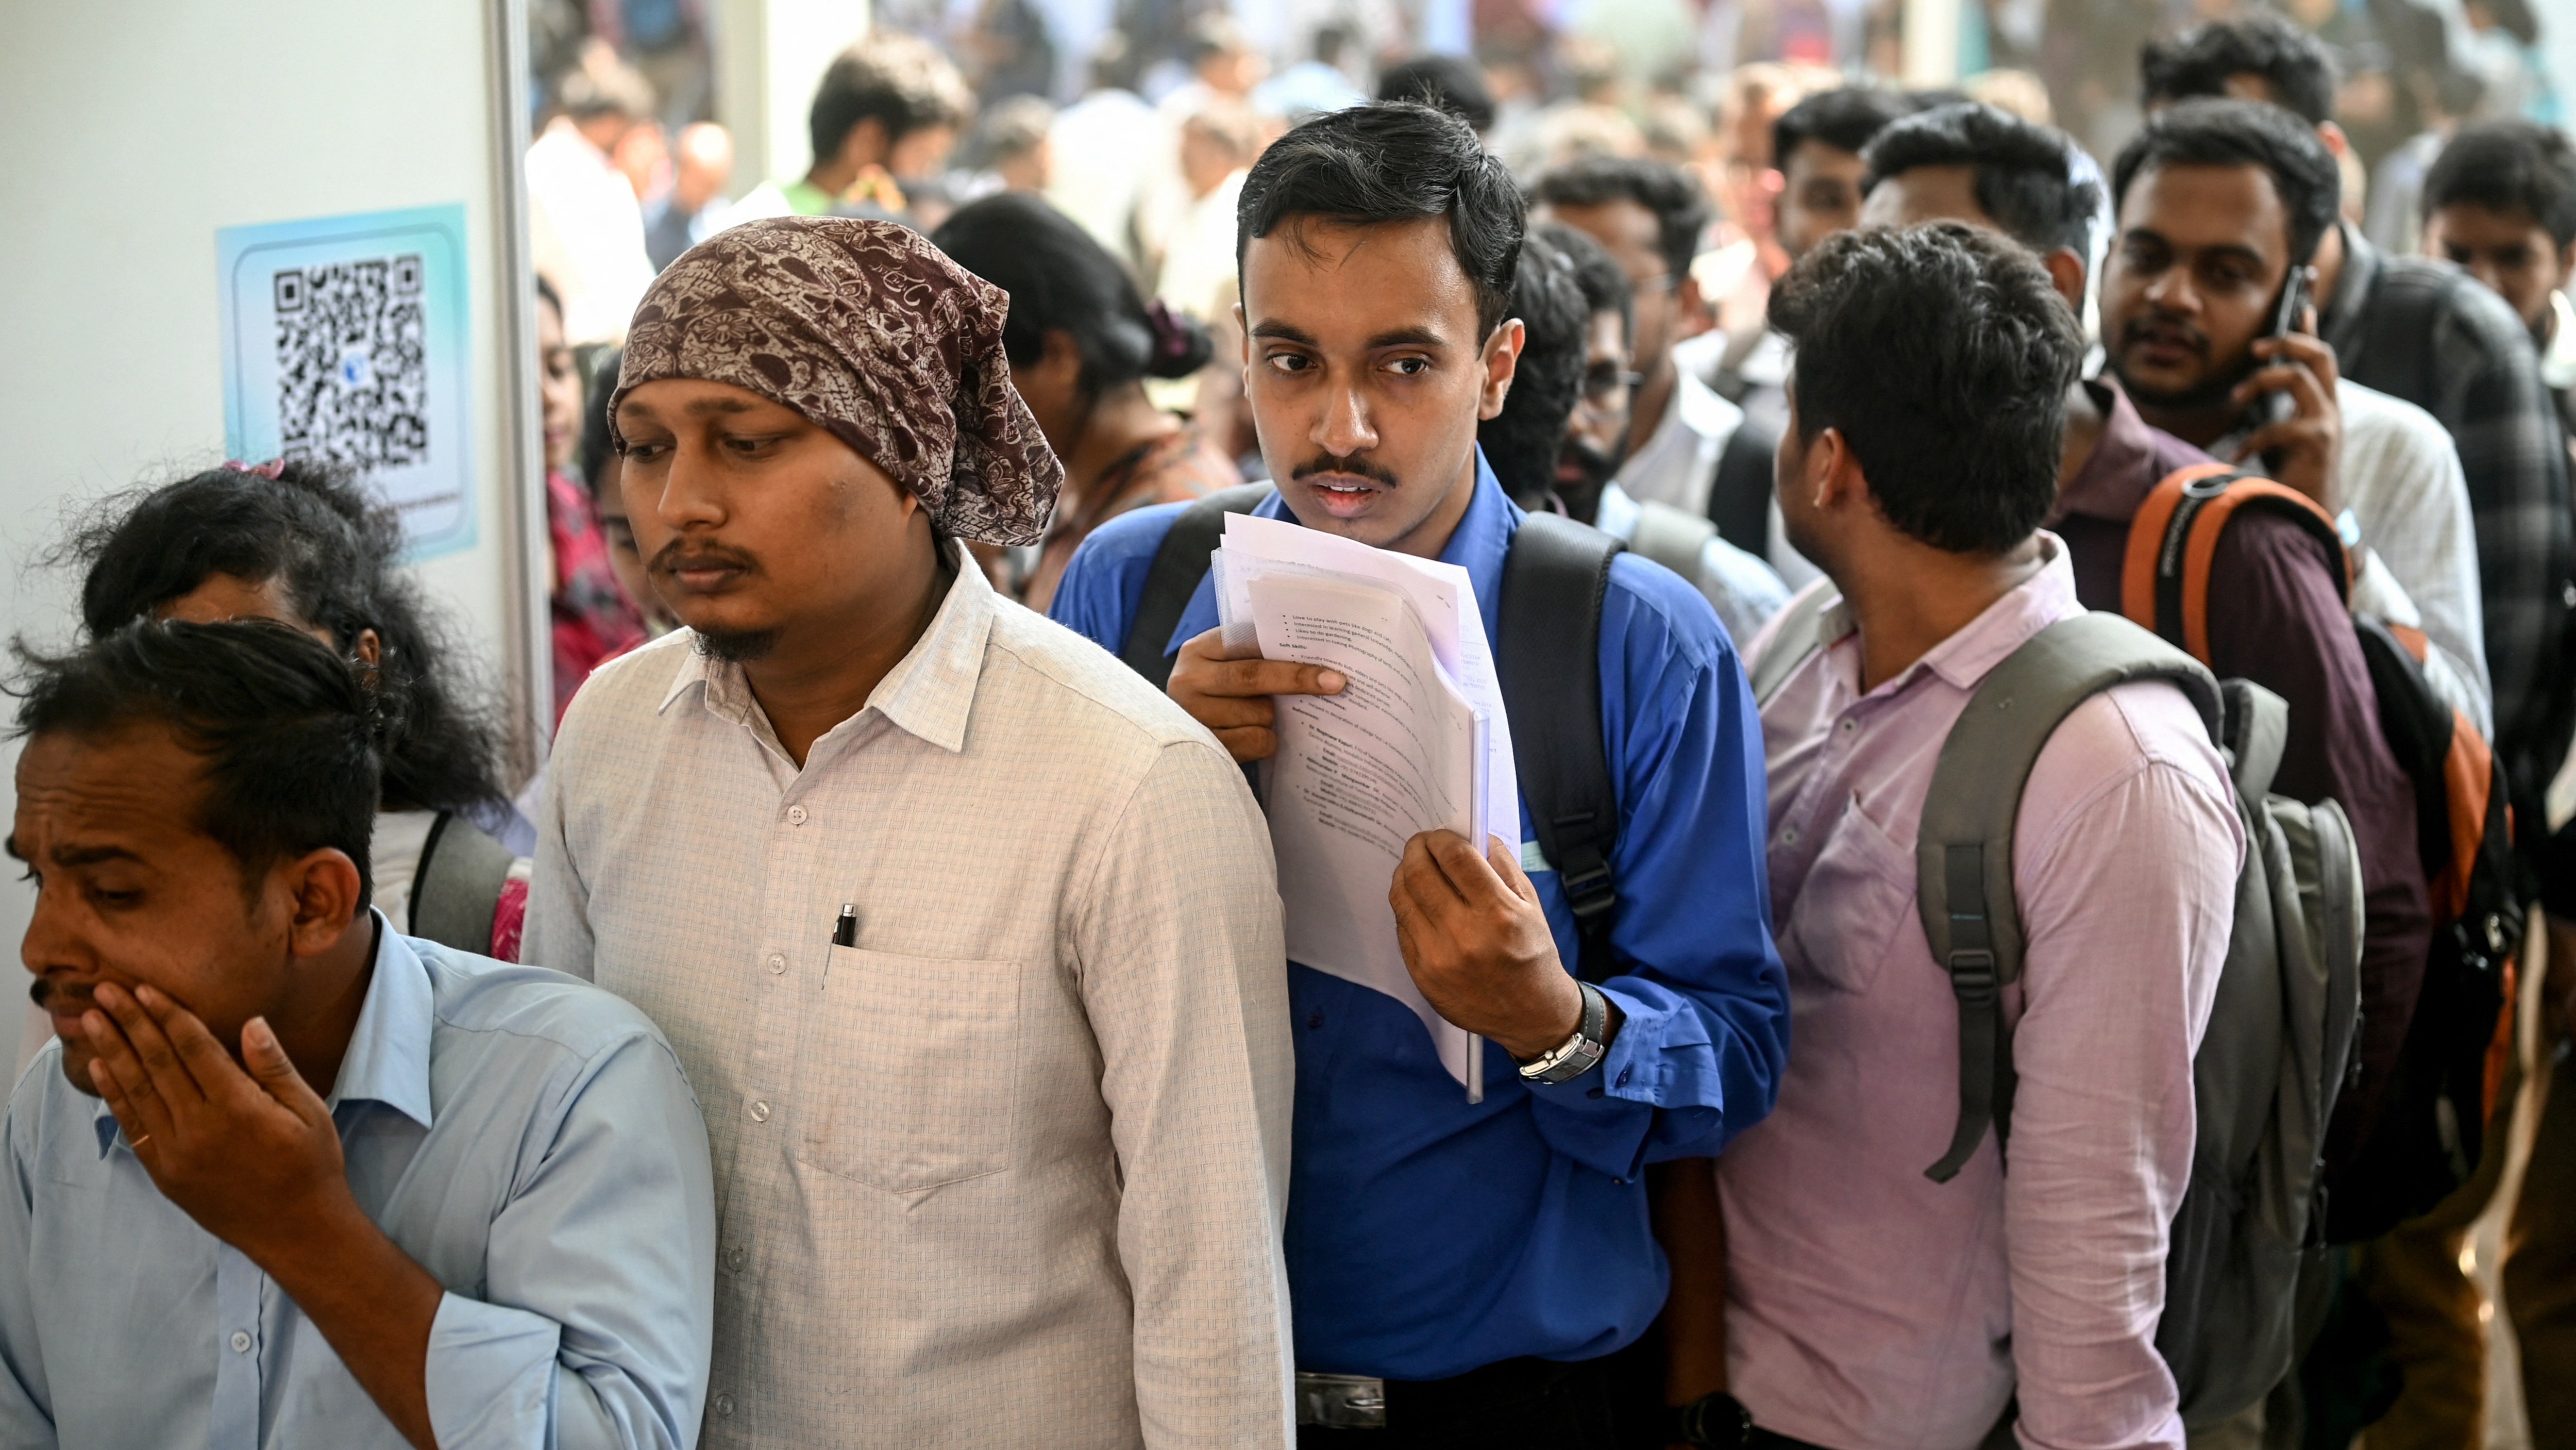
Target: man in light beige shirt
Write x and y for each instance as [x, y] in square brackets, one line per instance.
[1001, 1158]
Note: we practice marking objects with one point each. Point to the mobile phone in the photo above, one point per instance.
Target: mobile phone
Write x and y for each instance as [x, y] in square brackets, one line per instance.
[2278, 406]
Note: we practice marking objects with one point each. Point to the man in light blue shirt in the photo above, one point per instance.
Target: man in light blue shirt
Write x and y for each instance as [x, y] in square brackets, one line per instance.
[497, 1228]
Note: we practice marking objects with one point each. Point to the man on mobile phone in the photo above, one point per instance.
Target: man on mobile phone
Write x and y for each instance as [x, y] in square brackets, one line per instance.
[2216, 202]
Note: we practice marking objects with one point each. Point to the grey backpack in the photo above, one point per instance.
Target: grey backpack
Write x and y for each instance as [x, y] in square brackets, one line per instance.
[2281, 1031]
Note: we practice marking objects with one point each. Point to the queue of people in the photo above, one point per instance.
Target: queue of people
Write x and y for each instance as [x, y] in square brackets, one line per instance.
[880, 1028]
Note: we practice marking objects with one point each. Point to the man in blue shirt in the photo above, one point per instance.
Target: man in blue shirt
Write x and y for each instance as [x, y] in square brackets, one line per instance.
[1485, 1260]
[496, 1230]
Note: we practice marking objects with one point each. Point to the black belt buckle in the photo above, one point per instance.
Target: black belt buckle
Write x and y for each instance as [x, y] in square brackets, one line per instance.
[1341, 1401]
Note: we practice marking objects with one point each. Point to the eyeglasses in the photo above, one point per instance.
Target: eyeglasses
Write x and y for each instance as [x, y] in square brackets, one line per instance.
[1603, 386]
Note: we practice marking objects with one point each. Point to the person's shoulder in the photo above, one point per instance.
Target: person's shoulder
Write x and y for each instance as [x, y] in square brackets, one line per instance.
[530, 1007]
[2141, 729]
[2443, 293]
[1656, 611]
[1131, 537]
[2373, 419]
[1062, 682]
[634, 683]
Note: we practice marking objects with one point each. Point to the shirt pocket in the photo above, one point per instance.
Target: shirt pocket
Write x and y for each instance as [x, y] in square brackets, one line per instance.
[908, 1070]
[1855, 899]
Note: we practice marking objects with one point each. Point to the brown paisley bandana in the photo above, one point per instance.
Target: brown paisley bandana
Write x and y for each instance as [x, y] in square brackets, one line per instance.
[873, 333]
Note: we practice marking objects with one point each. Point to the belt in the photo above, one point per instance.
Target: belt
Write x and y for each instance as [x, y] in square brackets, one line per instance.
[1359, 1402]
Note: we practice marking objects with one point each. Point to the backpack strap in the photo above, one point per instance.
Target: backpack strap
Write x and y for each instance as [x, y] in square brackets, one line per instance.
[1797, 632]
[1179, 564]
[1964, 849]
[2164, 580]
[1671, 538]
[1548, 657]
[456, 892]
[1739, 494]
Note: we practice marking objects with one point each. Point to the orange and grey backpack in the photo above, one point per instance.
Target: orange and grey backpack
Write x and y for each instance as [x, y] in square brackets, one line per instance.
[2429, 1133]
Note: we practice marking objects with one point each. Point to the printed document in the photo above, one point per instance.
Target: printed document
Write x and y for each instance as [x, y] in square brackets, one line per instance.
[1408, 746]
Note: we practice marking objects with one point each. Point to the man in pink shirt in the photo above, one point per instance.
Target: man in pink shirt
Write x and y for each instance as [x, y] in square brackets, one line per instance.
[1869, 1306]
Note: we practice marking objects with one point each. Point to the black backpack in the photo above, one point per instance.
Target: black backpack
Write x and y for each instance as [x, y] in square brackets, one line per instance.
[456, 892]
[1548, 656]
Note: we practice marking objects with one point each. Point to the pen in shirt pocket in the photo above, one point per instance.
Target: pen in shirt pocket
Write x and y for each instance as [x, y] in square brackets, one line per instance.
[845, 932]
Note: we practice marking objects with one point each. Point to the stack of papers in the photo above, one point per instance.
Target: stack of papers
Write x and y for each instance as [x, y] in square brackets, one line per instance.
[1416, 741]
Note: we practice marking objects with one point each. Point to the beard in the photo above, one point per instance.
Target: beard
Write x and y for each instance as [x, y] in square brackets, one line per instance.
[1582, 472]
[2208, 393]
[735, 646]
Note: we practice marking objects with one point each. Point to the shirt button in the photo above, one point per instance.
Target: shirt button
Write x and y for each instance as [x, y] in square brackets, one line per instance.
[760, 1112]
[777, 964]
[1623, 1075]
[724, 1406]
[735, 1258]
[241, 1341]
[1850, 725]
[795, 815]
[1789, 837]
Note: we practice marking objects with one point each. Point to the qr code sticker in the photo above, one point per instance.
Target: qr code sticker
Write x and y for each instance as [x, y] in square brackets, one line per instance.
[352, 373]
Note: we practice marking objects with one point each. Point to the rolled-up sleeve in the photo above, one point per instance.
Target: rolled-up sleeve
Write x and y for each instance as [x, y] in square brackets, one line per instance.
[1698, 982]
[1184, 977]
[598, 1312]
[2128, 902]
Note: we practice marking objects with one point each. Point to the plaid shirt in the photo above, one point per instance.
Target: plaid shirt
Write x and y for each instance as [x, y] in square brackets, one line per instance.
[2429, 334]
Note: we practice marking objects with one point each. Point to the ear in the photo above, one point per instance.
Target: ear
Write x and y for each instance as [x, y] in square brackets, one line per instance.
[322, 887]
[1502, 359]
[2066, 270]
[1834, 480]
[2336, 141]
[1691, 308]
[1059, 353]
[370, 648]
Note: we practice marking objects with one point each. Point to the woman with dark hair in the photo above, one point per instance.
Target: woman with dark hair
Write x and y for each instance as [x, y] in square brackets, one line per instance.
[600, 467]
[300, 543]
[1081, 341]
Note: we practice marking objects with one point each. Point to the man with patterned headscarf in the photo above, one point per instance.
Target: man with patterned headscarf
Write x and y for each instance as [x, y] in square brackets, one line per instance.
[967, 937]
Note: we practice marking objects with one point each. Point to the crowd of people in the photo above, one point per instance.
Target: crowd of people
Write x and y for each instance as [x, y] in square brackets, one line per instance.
[2042, 688]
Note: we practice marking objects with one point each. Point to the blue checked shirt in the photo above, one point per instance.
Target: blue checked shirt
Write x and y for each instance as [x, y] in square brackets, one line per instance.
[527, 1139]
[1427, 1237]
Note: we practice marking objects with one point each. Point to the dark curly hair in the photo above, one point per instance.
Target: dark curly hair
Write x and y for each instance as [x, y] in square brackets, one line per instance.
[1665, 191]
[2505, 167]
[1393, 161]
[1942, 353]
[2024, 173]
[2242, 133]
[335, 550]
[286, 727]
[2295, 64]
[1521, 441]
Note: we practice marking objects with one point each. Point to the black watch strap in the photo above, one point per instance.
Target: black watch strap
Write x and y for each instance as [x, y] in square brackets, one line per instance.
[1718, 1420]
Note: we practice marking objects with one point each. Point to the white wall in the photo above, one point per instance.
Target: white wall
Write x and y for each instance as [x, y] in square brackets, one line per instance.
[138, 127]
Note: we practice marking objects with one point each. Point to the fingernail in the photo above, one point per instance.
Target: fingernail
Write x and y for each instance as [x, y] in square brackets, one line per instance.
[1330, 679]
[257, 1033]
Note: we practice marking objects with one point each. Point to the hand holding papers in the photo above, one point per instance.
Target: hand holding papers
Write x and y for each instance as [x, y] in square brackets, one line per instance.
[1415, 741]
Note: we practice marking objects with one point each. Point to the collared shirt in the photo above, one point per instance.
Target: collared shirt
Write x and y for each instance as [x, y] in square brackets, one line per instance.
[2402, 480]
[2277, 619]
[1676, 464]
[1743, 590]
[525, 1138]
[1427, 1237]
[2428, 333]
[1869, 1307]
[1010, 1169]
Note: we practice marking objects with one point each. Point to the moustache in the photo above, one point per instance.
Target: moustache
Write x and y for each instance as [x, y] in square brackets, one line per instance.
[44, 990]
[1355, 467]
[680, 554]
[2138, 329]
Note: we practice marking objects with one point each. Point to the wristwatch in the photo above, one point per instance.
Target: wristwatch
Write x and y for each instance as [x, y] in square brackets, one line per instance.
[1577, 1054]
[1719, 1421]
